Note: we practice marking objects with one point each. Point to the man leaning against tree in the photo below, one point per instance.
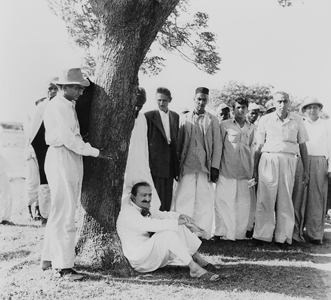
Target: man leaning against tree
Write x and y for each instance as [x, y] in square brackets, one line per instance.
[64, 171]
[152, 239]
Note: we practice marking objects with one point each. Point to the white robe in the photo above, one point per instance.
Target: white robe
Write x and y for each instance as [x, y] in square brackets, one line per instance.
[170, 243]
[137, 166]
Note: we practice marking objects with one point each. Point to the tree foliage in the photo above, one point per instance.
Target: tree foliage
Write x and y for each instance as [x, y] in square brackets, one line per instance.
[258, 93]
[189, 39]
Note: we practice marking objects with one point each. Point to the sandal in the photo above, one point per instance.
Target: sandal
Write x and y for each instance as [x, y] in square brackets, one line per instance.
[209, 276]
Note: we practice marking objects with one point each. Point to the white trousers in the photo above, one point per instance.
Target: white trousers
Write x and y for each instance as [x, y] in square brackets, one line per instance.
[232, 207]
[34, 191]
[6, 201]
[274, 208]
[169, 248]
[32, 181]
[64, 170]
[195, 198]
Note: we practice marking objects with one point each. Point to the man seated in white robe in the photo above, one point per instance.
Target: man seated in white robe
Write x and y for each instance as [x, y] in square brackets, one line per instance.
[137, 165]
[152, 240]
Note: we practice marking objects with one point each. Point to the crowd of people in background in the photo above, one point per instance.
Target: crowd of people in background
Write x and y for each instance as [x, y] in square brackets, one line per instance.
[245, 171]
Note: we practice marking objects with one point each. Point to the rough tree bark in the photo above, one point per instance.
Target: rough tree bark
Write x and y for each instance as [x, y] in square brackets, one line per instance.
[127, 29]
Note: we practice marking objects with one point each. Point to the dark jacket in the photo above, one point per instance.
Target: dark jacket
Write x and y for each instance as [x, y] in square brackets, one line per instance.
[160, 153]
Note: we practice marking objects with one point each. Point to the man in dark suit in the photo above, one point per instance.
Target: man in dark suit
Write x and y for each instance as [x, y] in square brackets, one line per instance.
[162, 134]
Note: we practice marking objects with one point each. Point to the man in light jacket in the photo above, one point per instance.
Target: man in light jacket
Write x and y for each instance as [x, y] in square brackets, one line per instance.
[200, 150]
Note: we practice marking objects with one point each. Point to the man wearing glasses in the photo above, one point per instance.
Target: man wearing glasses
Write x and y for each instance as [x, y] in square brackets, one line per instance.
[64, 170]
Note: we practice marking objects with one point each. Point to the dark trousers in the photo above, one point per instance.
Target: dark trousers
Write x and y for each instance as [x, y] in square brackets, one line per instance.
[163, 187]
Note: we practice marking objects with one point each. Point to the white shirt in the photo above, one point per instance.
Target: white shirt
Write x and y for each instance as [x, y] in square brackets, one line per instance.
[165, 122]
[62, 127]
[319, 143]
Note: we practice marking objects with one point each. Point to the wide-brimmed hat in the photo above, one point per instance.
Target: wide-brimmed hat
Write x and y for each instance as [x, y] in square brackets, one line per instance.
[309, 101]
[253, 106]
[72, 76]
[222, 106]
[270, 104]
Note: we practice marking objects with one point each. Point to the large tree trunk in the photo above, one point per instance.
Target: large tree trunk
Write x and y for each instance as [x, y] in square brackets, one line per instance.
[127, 29]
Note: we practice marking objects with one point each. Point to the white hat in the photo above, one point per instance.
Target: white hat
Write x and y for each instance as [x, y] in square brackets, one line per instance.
[72, 76]
[222, 106]
[309, 101]
[270, 104]
[253, 106]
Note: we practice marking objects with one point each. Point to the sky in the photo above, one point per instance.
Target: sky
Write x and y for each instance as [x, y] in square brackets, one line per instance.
[258, 40]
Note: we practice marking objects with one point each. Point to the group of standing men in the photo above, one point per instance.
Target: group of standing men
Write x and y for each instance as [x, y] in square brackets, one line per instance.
[196, 150]
[236, 154]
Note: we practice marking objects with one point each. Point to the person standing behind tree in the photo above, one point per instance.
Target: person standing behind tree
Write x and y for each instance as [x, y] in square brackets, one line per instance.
[64, 170]
[200, 150]
[137, 165]
[280, 137]
[162, 135]
[232, 196]
[36, 185]
[310, 201]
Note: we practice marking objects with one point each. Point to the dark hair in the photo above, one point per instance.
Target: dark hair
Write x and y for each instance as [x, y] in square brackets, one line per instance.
[134, 189]
[164, 91]
[241, 101]
[141, 95]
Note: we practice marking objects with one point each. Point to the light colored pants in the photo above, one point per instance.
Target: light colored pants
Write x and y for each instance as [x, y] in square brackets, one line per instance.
[195, 198]
[310, 202]
[64, 170]
[34, 191]
[274, 208]
[169, 248]
[32, 181]
[6, 201]
[232, 208]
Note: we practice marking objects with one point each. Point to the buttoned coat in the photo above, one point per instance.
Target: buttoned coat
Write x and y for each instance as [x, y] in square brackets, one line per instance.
[212, 140]
[159, 150]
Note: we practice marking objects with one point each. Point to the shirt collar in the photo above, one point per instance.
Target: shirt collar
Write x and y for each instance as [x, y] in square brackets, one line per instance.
[246, 122]
[164, 113]
[289, 116]
[313, 122]
[135, 206]
[199, 115]
[65, 101]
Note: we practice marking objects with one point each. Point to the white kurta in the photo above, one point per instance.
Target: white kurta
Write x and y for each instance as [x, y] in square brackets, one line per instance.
[171, 242]
[64, 170]
[137, 166]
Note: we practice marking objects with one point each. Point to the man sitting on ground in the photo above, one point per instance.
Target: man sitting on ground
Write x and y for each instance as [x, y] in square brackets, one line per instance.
[152, 240]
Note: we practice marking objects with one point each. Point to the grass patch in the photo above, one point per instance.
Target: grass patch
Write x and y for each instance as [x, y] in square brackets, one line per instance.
[303, 272]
